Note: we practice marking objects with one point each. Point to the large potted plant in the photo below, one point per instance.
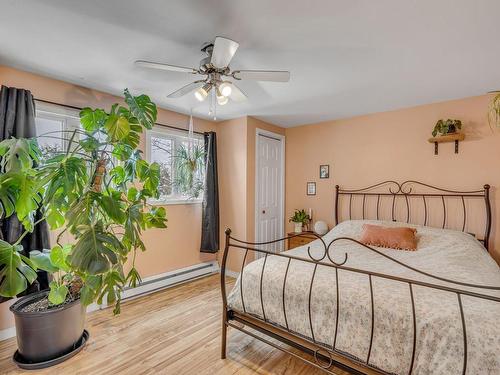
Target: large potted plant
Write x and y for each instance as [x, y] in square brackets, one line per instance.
[96, 191]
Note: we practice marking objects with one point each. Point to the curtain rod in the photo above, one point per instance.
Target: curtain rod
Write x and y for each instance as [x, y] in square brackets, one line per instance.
[80, 108]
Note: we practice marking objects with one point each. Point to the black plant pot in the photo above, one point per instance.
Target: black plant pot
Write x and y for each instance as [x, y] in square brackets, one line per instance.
[43, 337]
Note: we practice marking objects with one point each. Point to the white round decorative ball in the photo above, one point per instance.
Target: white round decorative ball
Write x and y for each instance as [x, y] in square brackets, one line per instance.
[320, 227]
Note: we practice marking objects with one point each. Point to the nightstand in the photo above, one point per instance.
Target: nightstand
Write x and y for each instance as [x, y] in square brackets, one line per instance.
[300, 239]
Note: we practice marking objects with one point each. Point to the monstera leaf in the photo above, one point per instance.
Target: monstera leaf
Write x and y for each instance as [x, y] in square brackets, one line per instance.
[130, 165]
[133, 225]
[55, 212]
[19, 189]
[20, 193]
[28, 200]
[95, 251]
[18, 154]
[92, 119]
[80, 211]
[16, 270]
[156, 218]
[89, 144]
[132, 139]
[113, 208]
[52, 261]
[58, 293]
[91, 288]
[142, 108]
[66, 177]
[9, 191]
[149, 174]
[117, 127]
[41, 259]
[112, 284]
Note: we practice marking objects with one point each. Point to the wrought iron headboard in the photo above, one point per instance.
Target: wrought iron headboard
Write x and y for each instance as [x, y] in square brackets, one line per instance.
[406, 192]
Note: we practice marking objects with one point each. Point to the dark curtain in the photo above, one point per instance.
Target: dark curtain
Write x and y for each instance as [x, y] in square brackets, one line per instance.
[210, 211]
[17, 119]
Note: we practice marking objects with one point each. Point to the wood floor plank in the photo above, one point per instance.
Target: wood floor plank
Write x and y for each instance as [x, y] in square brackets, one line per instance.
[172, 331]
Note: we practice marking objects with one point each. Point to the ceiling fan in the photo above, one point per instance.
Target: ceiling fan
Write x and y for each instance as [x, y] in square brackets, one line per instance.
[215, 66]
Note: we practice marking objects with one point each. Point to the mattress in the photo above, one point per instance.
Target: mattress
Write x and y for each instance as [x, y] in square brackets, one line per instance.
[439, 339]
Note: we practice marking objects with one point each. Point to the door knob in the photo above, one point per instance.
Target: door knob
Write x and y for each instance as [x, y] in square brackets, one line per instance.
[263, 211]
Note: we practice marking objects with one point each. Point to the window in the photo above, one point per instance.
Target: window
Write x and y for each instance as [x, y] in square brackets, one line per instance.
[169, 148]
[54, 125]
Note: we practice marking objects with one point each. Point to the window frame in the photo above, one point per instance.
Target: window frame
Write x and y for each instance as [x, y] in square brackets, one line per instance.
[176, 135]
[70, 118]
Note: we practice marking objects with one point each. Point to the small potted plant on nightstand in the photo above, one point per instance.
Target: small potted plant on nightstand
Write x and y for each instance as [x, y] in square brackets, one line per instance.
[299, 218]
[444, 127]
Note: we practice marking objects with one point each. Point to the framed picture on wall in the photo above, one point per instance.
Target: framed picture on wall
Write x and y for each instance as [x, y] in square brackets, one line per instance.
[311, 188]
[324, 171]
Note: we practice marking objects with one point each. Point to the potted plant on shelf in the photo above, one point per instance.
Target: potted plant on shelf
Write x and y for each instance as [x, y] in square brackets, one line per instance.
[444, 127]
[299, 218]
[96, 190]
[494, 110]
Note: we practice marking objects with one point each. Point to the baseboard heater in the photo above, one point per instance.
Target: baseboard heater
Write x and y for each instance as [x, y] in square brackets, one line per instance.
[157, 282]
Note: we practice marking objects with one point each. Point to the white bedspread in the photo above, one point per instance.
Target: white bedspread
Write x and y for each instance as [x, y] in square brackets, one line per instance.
[439, 334]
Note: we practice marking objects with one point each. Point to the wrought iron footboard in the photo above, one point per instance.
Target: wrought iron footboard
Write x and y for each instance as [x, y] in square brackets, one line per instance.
[323, 354]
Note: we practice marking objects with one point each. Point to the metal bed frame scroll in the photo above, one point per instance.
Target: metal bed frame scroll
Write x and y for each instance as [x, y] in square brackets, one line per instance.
[326, 357]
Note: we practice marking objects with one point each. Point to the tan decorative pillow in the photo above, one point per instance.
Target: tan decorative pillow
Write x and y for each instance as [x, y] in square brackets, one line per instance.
[400, 238]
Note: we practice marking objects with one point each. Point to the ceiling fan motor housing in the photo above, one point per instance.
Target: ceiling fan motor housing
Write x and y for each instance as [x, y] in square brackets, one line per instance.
[207, 49]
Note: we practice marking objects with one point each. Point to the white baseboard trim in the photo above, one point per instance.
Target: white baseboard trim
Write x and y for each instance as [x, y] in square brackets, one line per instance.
[148, 285]
[7, 333]
[93, 307]
[153, 283]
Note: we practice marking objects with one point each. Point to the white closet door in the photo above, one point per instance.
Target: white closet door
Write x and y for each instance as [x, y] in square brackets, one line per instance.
[269, 190]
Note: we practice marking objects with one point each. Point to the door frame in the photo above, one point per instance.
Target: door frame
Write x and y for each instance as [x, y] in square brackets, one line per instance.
[281, 138]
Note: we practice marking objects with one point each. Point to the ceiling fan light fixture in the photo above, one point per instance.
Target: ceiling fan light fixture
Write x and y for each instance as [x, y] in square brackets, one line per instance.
[202, 93]
[225, 88]
[222, 100]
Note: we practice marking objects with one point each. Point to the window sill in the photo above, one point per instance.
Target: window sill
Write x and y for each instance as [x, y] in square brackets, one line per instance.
[172, 202]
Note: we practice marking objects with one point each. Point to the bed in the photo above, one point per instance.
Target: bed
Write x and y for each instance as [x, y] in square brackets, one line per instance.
[375, 310]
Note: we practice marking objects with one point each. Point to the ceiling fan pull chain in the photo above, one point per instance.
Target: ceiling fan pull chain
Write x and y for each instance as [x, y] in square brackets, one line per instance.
[210, 105]
[214, 104]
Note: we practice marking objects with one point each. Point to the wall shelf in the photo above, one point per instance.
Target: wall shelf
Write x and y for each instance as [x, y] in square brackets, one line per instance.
[447, 138]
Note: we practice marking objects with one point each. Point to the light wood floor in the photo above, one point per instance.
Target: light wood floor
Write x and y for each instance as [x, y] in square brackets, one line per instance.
[174, 331]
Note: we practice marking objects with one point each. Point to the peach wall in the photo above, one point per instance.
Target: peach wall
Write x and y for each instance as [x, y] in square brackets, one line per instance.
[6, 317]
[237, 180]
[167, 249]
[393, 145]
[232, 170]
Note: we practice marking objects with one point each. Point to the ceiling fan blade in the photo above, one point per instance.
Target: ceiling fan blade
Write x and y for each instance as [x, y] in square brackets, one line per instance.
[186, 89]
[236, 94]
[223, 51]
[263, 75]
[160, 66]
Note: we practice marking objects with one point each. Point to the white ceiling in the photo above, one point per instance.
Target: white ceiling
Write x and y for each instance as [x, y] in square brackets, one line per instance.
[346, 57]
